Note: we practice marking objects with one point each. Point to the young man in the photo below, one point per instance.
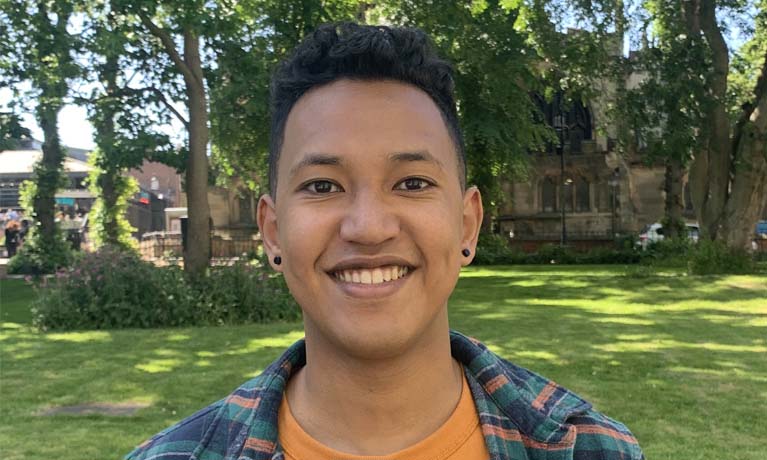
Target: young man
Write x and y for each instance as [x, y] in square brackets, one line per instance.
[370, 221]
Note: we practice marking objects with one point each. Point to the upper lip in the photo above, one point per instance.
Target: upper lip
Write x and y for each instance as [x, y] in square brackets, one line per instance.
[369, 262]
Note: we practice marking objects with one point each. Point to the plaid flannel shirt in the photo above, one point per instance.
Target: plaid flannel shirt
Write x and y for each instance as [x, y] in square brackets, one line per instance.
[523, 416]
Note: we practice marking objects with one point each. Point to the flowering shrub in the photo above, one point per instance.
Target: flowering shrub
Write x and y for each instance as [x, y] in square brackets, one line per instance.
[112, 289]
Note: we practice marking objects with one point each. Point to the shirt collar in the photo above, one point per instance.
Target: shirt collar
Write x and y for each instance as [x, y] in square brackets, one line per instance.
[503, 393]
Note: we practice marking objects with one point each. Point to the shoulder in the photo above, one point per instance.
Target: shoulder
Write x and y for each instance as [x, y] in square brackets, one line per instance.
[178, 441]
[596, 435]
[546, 416]
[599, 436]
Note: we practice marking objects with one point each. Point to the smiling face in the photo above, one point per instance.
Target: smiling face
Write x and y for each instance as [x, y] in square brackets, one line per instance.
[369, 216]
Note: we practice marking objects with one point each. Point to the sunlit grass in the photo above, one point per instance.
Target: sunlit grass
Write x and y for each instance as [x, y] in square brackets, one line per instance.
[680, 359]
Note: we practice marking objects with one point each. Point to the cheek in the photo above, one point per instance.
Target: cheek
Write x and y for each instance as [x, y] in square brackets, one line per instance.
[439, 237]
[303, 236]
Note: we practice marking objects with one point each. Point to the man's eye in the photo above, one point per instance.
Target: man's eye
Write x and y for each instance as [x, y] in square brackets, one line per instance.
[413, 183]
[322, 187]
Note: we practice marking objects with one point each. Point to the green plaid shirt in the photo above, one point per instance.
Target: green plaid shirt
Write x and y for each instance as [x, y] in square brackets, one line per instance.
[523, 416]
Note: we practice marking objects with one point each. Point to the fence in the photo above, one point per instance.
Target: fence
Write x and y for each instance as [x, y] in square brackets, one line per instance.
[157, 245]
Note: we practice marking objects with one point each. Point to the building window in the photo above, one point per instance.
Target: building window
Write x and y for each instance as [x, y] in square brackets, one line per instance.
[603, 196]
[569, 194]
[582, 195]
[549, 195]
[246, 209]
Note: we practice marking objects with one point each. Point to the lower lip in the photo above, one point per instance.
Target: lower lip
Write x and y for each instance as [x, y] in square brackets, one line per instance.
[368, 291]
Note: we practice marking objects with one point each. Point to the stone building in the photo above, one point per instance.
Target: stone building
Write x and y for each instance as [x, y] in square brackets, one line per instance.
[602, 193]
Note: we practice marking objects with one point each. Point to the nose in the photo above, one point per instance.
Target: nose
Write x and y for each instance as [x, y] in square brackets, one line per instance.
[369, 220]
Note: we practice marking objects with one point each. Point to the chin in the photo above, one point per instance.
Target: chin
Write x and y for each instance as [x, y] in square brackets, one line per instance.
[378, 339]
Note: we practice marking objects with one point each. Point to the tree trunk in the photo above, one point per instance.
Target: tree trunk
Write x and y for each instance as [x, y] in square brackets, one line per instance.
[197, 251]
[111, 231]
[748, 194]
[106, 134]
[48, 171]
[673, 224]
[729, 176]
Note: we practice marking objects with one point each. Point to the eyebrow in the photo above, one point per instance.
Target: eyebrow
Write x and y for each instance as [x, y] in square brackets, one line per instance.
[315, 159]
[421, 155]
[325, 159]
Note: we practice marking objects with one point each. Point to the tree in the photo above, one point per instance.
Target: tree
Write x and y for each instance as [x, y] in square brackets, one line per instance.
[495, 75]
[688, 70]
[169, 24]
[38, 50]
[247, 49]
[680, 110]
[124, 131]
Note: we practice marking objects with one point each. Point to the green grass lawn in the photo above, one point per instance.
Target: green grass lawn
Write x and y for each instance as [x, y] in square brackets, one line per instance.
[681, 360]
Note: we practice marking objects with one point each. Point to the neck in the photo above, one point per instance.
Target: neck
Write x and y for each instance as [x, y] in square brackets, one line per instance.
[342, 400]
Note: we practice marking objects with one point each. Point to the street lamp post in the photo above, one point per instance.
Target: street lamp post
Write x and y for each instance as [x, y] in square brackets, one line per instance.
[559, 127]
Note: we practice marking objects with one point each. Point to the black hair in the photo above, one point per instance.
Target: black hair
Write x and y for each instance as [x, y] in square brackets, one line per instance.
[359, 52]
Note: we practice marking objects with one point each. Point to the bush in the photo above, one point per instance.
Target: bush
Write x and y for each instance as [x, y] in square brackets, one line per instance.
[714, 257]
[493, 249]
[598, 256]
[245, 293]
[668, 253]
[113, 289]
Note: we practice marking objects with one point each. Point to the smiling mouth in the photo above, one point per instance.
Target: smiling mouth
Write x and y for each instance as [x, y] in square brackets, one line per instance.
[378, 275]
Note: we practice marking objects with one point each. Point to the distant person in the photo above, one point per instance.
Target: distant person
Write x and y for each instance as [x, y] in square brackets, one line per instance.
[370, 220]
[12, 214]
[12, 230]
[24, 231]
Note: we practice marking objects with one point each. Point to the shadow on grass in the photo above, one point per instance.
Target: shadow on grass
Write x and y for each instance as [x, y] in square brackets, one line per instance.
[691, 351]
[676, 358]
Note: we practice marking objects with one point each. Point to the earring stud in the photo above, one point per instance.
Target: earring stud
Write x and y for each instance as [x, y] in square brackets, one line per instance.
[466, 252]
[277, 260]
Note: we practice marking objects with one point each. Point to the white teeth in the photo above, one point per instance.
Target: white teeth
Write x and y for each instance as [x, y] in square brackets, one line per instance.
[372, 276]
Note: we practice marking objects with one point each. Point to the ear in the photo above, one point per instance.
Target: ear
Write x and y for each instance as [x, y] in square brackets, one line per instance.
[267, 224]
[472, 222]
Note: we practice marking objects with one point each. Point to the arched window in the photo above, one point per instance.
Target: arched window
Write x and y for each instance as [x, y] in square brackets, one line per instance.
[577, 121]
[582, 195]
[549, 194]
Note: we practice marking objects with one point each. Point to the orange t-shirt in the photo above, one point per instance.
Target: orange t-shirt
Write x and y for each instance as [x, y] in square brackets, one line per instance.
[459, 438]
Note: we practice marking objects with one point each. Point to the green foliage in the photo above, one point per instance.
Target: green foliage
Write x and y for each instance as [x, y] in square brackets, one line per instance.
[11, 131]
[494, 250]
[27, 192]
[495, 73]
[108, 221]
[251, 41]
[714, 257]
[668, 253]
[745, 65]
[115, 289]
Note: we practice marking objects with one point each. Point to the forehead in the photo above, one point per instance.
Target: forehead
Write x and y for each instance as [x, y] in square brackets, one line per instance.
[359, 119]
